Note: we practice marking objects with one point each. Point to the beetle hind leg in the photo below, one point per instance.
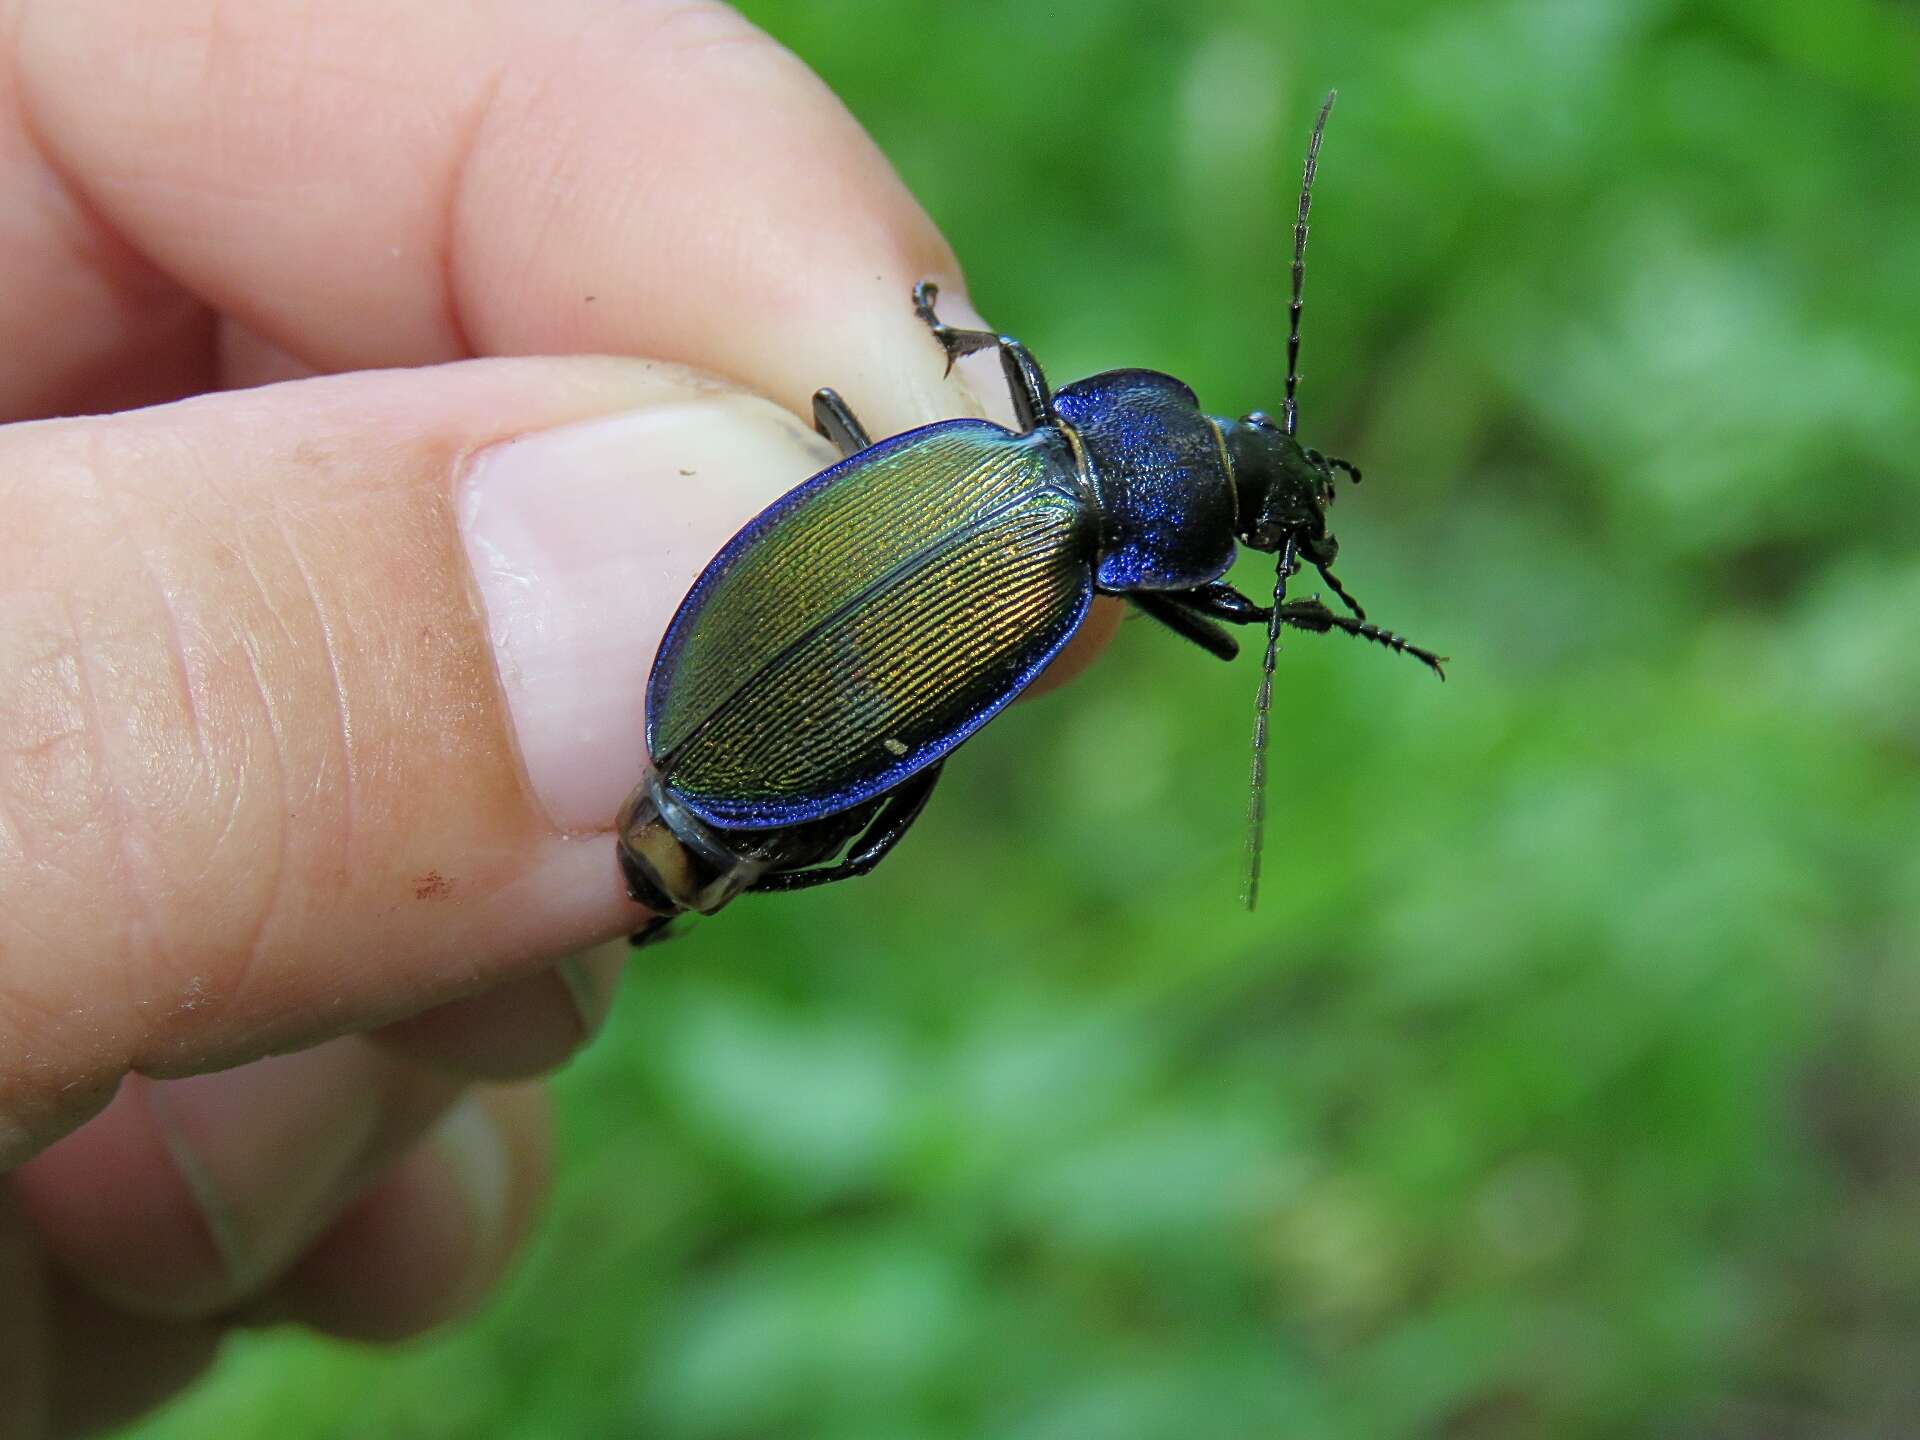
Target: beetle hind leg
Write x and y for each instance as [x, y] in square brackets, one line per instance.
[833, 418]
[1026, 382]
[896, 817]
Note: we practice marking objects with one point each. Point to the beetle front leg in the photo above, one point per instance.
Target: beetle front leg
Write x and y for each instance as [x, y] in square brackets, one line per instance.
[1032, 400]
[1191, 614]
[903, 807]
[834, 419]
[1312, 615]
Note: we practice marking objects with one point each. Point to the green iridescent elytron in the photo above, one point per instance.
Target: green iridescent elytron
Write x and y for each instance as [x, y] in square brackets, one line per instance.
[870, 621]
[866, 623]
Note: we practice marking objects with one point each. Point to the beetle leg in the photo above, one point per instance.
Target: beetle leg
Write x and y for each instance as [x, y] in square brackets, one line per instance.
[654, 932]
[896, 817]
[1191, 614]
[1026, 382]
[1186, 623]
[1223, 602]
[834, 419]
[1312, 615]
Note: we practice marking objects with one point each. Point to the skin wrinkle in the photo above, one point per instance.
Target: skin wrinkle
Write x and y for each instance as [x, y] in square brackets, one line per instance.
[343, 714]
[249, 954]
[130, 534]
[282, 824]
[253, 946]
[43, 744]
[222, 978]
[13, 836]
[129, 891]
[130, 835]
[222, 781]
[41, 1026]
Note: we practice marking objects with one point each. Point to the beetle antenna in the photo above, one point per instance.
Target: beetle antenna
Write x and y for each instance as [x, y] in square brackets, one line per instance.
[1289, 416]
[1257, 798]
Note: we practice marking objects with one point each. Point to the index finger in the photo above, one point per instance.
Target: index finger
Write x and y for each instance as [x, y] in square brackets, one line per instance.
[371, 185]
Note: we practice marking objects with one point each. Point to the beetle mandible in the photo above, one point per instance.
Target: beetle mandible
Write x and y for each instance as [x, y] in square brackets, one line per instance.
[830, 657]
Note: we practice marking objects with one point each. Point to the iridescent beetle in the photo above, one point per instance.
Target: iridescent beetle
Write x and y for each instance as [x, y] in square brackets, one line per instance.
[839, 648]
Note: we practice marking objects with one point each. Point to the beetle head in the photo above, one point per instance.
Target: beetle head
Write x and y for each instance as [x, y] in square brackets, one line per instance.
[1283, 489]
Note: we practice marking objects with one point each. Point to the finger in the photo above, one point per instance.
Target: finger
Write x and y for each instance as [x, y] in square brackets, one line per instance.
[520, 1029]
[621, 176]
[92, 324]
[258, 784]
[244, 359]
[109, 1366]
[430, 1241]
[184, 1198]
[417, 1249]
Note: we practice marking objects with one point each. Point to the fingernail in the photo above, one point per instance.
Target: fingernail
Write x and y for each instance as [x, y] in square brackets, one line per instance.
[475, 1154]
[271, 1151]
[583, 540]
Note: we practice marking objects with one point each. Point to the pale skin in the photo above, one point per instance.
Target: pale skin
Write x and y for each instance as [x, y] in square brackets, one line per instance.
[263, 792]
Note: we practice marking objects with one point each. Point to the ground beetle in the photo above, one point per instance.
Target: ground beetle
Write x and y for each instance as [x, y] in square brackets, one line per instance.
[832, 655]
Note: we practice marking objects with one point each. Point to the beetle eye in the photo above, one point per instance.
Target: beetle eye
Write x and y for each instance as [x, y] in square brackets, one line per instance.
[1261, 419]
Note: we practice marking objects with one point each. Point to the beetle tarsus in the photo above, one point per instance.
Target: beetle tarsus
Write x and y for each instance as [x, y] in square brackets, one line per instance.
[1315, 616]
[1026, 382]
[833, 418]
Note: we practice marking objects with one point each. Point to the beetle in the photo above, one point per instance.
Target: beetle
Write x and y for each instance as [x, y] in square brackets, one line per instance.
[822, 668]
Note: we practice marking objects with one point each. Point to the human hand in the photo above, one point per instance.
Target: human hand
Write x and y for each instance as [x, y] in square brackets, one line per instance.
[317, 700]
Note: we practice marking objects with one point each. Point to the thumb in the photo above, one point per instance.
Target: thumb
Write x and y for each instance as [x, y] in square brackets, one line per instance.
[260, 778]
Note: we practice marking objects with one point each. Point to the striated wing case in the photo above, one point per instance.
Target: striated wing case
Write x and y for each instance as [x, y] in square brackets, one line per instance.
[868, 621]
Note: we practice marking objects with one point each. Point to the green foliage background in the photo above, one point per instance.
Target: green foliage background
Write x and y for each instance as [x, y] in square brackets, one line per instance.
[1565, 1082]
